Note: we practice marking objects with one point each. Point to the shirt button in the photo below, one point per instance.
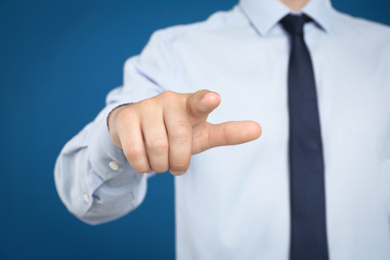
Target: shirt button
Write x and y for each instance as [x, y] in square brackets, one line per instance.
[86, 197]
[114, 165]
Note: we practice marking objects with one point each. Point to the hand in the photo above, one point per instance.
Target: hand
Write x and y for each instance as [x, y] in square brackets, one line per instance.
[161, 133]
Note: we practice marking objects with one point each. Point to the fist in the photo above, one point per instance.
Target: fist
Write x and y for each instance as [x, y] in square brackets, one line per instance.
[161, 133]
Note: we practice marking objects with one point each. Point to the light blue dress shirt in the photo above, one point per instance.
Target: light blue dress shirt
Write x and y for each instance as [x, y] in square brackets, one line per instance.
[233, 203]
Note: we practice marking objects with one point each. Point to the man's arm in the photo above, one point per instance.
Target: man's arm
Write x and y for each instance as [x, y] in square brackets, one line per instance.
[98, 174]
[94, 179]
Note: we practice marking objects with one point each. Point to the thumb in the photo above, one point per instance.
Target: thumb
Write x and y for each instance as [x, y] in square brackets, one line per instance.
[200, 104]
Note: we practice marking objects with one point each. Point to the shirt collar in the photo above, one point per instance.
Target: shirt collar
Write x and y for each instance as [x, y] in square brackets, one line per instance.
[265, 14]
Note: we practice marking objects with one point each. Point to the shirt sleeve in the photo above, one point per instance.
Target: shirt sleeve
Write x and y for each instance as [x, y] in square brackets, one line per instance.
[92, 176]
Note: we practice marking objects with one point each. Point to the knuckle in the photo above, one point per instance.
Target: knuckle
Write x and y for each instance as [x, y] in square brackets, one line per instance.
[181, 131]
[133, 153]
[127, 120]
[149, 102]
[135, 157]
[170, 97]
[226, 136]
[168, 94]
[158, 144]
[126, 112]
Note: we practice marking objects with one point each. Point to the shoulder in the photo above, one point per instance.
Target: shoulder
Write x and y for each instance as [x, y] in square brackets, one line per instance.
[214, 24]
[366, 30]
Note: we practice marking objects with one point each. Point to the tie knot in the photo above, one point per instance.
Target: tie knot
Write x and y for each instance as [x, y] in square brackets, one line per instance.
[293, 24]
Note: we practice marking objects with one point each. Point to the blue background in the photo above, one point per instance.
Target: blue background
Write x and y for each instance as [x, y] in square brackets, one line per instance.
[58, 60]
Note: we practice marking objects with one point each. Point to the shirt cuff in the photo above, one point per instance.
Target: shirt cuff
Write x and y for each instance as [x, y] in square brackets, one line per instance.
[107, 160]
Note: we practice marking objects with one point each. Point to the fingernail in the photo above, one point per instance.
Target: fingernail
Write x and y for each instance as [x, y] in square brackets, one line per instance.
[208, 93]
[177, 172]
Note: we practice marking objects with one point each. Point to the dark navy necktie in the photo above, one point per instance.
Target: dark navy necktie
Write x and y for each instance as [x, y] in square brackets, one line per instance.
[307, 189]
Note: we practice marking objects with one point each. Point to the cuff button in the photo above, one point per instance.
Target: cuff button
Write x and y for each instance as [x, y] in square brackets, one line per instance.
[114, 165]
[86, 197]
